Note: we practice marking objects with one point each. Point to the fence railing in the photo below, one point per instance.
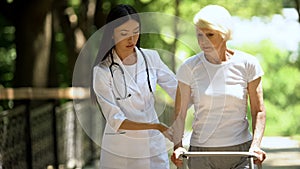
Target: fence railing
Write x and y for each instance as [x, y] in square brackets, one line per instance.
[43, 93]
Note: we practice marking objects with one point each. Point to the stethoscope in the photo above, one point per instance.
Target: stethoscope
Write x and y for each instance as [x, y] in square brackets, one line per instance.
[114, 64]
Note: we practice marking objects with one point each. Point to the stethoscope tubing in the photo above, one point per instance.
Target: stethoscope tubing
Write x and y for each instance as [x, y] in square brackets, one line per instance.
[113, 63]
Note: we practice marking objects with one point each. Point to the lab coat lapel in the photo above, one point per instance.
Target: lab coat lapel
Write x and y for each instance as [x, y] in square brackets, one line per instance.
[141, 73]
[130, 82]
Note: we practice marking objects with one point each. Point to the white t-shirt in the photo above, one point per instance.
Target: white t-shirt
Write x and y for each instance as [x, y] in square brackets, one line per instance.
[219, 94]
[132, 70]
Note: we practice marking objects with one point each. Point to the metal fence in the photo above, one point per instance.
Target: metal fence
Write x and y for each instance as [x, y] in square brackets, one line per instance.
[44, 136]
[13, 148]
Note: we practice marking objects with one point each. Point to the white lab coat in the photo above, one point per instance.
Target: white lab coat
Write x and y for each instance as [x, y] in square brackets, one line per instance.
[136, 148]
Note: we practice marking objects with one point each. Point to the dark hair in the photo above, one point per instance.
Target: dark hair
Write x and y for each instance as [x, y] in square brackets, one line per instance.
[116, 17]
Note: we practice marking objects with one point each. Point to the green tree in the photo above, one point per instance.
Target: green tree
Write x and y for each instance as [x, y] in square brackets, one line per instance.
[281, 85]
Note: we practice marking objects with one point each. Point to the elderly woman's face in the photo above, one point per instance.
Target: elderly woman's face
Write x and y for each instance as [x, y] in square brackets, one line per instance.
[209, 40]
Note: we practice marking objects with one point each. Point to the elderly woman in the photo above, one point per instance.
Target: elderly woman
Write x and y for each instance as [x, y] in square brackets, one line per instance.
[218, 82]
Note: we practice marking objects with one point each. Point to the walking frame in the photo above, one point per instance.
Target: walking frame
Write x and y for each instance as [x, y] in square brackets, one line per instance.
[249, 155]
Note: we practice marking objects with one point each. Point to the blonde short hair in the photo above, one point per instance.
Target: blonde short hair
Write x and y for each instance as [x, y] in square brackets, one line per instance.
[215, 17]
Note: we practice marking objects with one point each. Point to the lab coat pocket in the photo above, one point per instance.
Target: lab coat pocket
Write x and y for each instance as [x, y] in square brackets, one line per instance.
[125, 103]
[124, 99]
[131, 105]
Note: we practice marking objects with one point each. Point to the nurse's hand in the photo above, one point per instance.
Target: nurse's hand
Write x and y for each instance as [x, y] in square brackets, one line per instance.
[175, 156]
[165, 130]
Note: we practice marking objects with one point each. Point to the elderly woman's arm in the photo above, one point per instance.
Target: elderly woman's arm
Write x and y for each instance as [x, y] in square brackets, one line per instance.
[182, 101]
[258, 114]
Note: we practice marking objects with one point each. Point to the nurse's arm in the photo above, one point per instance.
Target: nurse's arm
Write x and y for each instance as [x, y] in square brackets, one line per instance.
[132, 125]
[258, 114]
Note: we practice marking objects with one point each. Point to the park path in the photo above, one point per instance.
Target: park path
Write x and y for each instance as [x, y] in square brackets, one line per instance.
[282, 153]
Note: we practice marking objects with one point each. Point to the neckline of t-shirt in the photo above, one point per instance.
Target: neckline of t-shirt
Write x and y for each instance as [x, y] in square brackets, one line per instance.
[202, 57]
[131, 65]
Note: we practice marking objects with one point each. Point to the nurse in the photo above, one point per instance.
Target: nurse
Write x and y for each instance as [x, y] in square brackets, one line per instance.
[123, 83]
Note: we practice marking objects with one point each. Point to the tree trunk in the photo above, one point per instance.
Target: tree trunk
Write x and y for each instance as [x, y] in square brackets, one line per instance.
[33, 42]
[74, 37]
[176, 32]
[100, 17]
[53, 80]
[297, 2]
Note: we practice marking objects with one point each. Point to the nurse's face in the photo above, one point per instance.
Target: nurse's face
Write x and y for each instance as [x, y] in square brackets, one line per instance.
[209, 40]
[126, 35]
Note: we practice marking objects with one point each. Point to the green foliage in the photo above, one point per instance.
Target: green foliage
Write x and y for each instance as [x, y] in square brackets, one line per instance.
[7, 59]
[62, 60]
[281, 85]
[241, 8]
[7, 53]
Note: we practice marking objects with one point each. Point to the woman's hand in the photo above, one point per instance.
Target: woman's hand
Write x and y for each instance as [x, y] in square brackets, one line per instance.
[165, 130]
[175, 156]
[260, 155]
[161, 127]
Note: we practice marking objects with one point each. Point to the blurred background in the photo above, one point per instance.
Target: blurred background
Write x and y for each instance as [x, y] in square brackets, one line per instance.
[40, 41]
